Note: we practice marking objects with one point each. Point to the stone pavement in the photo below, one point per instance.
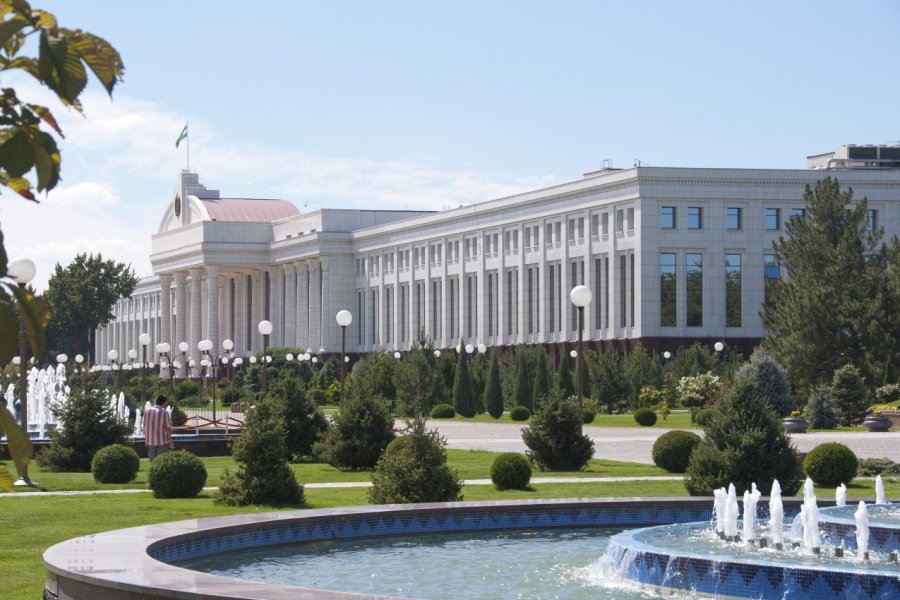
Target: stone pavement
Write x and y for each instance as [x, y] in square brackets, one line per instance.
[635, 444]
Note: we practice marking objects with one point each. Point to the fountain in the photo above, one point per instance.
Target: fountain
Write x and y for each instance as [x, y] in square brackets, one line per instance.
[751, 498]
[862, 531]
[776, 516]
[840, 495]
[879, 490]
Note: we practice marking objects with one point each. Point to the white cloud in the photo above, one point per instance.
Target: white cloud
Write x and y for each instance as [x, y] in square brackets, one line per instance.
[120, 164]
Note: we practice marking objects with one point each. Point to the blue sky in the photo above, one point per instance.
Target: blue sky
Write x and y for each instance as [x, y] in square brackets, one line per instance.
[428, 104]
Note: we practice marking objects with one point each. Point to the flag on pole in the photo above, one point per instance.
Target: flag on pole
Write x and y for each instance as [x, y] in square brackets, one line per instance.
[182, 136]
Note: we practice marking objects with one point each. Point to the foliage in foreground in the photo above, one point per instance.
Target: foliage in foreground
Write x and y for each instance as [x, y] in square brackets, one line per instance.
[303, 421]
[511, 471]
[414, 468]
[555, 440]
[263, 475]
[358, 434]
[744, 443]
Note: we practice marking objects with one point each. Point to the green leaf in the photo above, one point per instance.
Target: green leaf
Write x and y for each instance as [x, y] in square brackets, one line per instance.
[6, 480]
[16, 154]
[9, 323]
[60, 69]
[19, 444]
[46, 161]
[103, 60]
[19, 185]
[46, 116]
[10, 28]
[35, 315]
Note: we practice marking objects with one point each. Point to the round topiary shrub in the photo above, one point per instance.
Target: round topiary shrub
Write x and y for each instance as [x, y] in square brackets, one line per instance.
[519, 413]
[115, 464]
[443, 411]
[645, 417]
[831, 464]
[703, 416]
[176, 474]
[511, 471]
[588, 415]
[672, 451]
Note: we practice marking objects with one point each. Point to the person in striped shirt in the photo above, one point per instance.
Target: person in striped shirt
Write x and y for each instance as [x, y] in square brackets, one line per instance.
[158, 429]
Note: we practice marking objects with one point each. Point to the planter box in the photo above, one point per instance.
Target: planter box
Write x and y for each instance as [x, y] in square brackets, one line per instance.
[877, 423]
[795, 424]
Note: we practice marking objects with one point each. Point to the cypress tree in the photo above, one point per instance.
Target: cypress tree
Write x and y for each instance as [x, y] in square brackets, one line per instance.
[523, 385]
[493, 394]
[463, 394]
[771, 381]
[565, 383]
[542, 383]
[848, 391]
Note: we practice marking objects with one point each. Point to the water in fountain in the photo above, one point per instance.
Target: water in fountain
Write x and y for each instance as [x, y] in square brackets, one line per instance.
[751, 498]
[840, 495]
[721, 498]
[810, 512]
[879, 490]
[862, 532]
[731, 514]
[776, 515]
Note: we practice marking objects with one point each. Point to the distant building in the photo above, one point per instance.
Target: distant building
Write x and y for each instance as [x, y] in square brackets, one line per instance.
[672, 256]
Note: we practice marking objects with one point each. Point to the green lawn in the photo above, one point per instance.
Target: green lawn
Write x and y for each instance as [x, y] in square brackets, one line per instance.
[677, 420]
[31, 523]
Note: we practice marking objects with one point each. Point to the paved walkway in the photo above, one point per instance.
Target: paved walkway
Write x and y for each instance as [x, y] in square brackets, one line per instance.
[635, 444]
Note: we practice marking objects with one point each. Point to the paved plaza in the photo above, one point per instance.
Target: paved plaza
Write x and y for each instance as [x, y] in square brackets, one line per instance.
[634, 444]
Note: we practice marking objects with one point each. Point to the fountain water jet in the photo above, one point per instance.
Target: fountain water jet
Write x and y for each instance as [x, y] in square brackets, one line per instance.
[731, 514]
[776, 515]
[862, 531]
[751, 498]
[879, 490]
[840, 495]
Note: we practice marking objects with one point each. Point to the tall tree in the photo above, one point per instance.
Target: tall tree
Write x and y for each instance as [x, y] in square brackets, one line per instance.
[493, 394]
[610, 385]
[463, 393]
[834, 305]
[415, 377]
[542, 382]
[565, 383]
[522, 395]
[82, 296]
[641, 370]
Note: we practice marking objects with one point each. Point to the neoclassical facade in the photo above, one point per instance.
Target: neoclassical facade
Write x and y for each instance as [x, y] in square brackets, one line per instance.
[671, 255]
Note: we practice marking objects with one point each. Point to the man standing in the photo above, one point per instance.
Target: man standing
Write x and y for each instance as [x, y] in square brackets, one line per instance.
[158, 429]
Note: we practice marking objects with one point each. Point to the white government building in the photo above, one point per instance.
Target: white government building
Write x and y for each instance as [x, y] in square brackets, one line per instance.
[671, 255]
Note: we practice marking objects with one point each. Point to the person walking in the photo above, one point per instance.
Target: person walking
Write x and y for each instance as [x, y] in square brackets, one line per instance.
[158, 429]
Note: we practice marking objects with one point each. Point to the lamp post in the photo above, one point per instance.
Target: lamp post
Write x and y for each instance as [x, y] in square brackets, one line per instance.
[79, 360]
[163, 349]
[343, 318]
[113, 356]
[22, 271]
[184, 347]
[204, 346]
[580, 297]
[265, 328]
[144, 340]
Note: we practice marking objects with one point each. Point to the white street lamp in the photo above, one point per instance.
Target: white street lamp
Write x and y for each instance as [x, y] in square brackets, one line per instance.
[265, 328]
[343, 318]
[580, 296]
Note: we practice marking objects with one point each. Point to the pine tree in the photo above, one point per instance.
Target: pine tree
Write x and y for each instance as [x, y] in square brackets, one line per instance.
[744, 443]
[771, 381]
[555, 438]
[610, 385]
[358, 433]
[821, 408]
[303, 421]
[835, 305]
[493, 394]
[463, 394]
[848, 391]
[641, 370]
[542, 384]
[522, 395]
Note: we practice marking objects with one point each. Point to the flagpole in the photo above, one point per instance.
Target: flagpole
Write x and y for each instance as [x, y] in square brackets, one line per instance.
[188, 140]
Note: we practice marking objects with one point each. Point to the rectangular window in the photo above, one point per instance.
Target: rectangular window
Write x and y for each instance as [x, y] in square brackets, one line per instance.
[695, 217]
[629, 219]
[631, 294]
[548, 234]
[734, 218]
[551, 272]
[623, 294]
[667, 217]
[668, 289]
[694, 276]
[732, 290]
[598, 298]
[798, 213]
[773, 218]
[871, 219]
[604, 223]
[570, 227]
[772, 273]
[620, 221]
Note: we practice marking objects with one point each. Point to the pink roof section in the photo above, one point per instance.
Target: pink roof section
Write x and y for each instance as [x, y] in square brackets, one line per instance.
[248, 210]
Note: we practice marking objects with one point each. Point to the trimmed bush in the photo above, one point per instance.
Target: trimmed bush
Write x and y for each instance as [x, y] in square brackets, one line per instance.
[186, 389]
[831, 464]
[672, 451]
[555, 438]
[176, 474]
[519, 413]
[588, 415]
[870, 467]
[511, 471]
[115, 464]
[358, 434]
[645, 417]
[413, 468]
[443, 411]
[703, 416]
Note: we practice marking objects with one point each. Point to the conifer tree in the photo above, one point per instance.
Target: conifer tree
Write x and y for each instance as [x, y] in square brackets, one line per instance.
[542, 384]
[771, 381]
[848, 391]
[565, 383]
[463, 393]
[522, 395]
[610, 385]
[493, 394]
[833, 304]
[744, 443]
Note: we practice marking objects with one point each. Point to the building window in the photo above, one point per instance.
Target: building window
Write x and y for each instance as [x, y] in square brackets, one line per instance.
[871, 219]
[623, 293]
[798, 213]
[772, 272]
[695, 217]
[732, 290]
[773, 218]
[734, 218]
[667, 217]
[620, 220]
[667, 289]
[694, 275]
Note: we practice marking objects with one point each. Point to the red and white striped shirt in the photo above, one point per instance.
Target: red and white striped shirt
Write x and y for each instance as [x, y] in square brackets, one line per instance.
[157, 426]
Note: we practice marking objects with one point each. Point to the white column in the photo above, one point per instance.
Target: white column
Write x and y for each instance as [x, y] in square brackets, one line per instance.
[212, 306]
[196, 333]
[326, 310]
[542, 295]
[315, 310]
[241, 344]
[290, 305]
[181, 313]
[256, 309]
[276, 305]
[304, 273]
[481, 294]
